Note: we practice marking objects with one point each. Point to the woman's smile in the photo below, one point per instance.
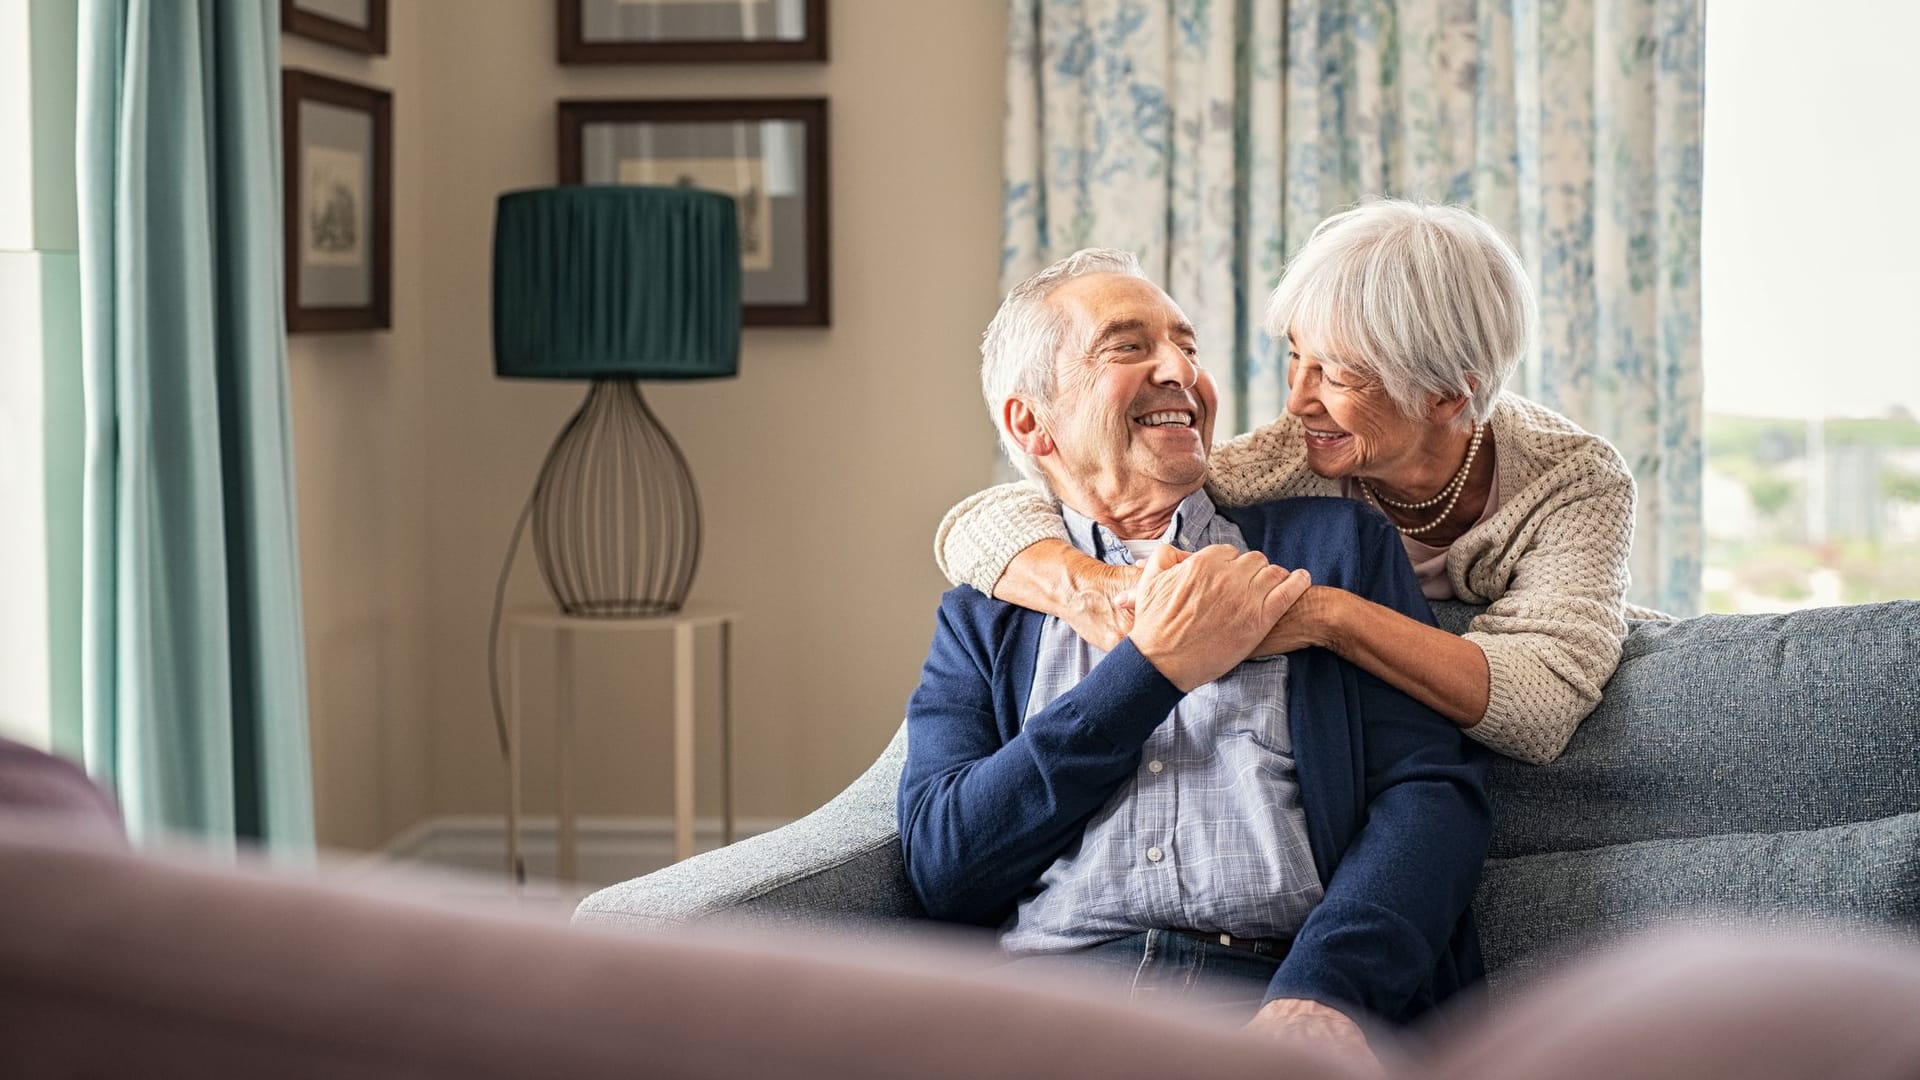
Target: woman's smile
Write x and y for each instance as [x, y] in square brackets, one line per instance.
[1326, 439]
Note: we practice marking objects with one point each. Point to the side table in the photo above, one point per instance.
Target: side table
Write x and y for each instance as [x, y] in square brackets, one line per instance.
[682, 626]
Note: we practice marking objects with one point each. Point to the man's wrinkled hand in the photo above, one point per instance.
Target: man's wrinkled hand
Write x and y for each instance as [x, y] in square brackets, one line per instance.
[1298, 1020]
[1197, 615]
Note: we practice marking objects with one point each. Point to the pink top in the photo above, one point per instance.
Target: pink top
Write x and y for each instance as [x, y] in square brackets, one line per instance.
[1429, 562]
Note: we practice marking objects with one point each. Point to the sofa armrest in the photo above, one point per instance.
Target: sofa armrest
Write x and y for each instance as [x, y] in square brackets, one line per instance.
[840, 863]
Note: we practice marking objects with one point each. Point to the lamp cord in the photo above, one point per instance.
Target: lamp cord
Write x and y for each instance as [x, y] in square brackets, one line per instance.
[519, 868]
[499, 604]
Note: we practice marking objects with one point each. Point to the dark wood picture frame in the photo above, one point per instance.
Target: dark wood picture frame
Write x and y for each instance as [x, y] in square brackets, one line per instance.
[575, 50]
[303, 86]
[370, 39]
[811, 113]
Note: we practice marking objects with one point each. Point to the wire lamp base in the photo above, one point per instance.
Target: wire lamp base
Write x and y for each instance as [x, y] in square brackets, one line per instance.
[616, 520]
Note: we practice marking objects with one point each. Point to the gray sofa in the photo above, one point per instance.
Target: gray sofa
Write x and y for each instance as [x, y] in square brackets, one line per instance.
[1765, 768]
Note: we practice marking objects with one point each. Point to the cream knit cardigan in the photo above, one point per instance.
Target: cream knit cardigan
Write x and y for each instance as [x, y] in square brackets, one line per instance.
[1550, 564]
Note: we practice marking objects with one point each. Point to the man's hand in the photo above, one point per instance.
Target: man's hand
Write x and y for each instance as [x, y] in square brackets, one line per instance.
[1297, 1020]
[1196, 616]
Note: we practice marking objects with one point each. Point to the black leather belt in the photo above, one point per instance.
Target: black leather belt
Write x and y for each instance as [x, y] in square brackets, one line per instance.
[1273, 947]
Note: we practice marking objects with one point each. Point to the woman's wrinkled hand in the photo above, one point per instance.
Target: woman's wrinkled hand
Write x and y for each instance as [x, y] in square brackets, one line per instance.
[1304, 624]
[1101, 611]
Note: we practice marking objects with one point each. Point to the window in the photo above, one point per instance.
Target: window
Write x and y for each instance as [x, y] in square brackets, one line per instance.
[1810, 284]
[40, 395]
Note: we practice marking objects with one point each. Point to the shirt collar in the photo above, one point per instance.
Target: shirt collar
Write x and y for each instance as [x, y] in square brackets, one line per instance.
[1188, 531]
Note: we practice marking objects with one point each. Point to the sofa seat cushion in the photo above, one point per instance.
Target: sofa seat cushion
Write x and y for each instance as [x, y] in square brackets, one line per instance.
[1532, 909]
[54, 792]
[1732, 724]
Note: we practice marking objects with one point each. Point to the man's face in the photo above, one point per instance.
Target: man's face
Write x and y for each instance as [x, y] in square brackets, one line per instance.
[1132, 413]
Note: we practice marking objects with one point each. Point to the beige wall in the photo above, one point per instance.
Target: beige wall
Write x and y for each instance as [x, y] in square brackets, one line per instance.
[360, 458]
[822, 469]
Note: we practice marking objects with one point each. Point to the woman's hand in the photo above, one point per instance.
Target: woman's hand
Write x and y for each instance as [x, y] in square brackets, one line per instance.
[1101, 607]
[1307, 623]
[1446, 673]
[1054, 577]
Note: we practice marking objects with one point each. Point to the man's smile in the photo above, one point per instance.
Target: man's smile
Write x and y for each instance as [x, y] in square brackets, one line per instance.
[1166, 418]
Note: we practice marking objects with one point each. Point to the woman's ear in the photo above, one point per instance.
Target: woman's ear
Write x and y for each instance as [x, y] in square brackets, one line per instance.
[1445, 411]
[1028, 426]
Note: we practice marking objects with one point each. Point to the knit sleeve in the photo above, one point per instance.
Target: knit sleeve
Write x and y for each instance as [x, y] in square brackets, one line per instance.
[1264, 464]
[984, 531]
[1553, 639]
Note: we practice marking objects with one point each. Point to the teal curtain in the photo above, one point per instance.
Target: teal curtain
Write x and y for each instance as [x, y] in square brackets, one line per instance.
[1210, 136]
[193, 678]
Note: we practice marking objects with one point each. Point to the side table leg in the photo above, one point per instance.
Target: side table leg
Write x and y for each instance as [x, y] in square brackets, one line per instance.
[726, 731]
[683, 741]
[516, 871]
[563, 748]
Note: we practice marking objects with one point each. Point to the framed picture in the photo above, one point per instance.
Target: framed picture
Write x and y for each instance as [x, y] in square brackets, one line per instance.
[339, 203]
[769, 154]
[359, 25]
[691, 31]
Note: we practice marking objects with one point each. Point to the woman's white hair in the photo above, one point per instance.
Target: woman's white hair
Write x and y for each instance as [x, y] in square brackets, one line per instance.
[1018, 353]
[1428, 299]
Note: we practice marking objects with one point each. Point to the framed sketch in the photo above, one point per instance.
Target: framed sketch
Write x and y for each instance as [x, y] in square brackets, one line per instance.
[769, 154]
[691, 31]
[339, 203]
[359, 25]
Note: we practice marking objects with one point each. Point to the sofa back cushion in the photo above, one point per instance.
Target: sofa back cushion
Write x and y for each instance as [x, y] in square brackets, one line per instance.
[1731, 724]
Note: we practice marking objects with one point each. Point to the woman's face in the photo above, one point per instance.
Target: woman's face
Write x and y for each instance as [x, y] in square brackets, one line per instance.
[1353, 427]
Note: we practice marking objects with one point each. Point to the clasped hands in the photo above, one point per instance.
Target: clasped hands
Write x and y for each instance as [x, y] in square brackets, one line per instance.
[1194, 615]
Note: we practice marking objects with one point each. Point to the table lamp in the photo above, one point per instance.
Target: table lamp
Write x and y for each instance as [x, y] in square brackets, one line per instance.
[614, 284]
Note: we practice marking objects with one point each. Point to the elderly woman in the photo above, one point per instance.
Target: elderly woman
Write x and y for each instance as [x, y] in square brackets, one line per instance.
[1403, 323]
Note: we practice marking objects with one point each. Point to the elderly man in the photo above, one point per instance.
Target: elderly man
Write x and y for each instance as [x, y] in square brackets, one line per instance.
[1290, 827]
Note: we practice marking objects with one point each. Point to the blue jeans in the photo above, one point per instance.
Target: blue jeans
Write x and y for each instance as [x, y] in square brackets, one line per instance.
[1163, 966]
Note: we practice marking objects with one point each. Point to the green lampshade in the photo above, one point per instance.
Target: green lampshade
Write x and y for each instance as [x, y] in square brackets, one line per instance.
[615, 282]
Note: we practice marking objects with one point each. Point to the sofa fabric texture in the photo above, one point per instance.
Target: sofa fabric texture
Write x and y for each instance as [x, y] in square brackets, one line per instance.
[1556, 903]
[40, 788]
[839, 864]
[1733, 724]
[1764, 764]
[115, 963]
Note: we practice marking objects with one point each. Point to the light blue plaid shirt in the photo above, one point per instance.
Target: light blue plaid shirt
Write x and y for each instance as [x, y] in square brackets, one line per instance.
[1208, 834]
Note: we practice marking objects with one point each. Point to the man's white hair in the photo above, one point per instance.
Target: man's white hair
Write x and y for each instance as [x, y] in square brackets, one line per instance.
[1428, 299]
[1020, 350]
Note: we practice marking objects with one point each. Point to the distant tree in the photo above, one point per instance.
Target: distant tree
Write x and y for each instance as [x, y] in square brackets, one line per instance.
[1770, 495]
[1900, 486]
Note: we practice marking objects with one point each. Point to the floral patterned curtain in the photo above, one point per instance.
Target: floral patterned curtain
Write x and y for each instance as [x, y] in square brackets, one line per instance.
[1209, 136]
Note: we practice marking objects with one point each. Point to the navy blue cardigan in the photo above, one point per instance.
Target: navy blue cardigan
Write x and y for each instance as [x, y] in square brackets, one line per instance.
[1394, 794]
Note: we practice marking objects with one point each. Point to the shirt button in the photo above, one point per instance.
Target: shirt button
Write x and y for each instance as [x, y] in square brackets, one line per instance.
[1153, 854]
[1154, 766]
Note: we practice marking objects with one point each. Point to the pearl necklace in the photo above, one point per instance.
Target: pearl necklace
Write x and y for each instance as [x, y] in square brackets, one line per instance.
[1451, 493]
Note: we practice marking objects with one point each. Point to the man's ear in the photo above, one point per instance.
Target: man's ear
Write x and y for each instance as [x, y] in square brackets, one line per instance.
[1027, 425]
